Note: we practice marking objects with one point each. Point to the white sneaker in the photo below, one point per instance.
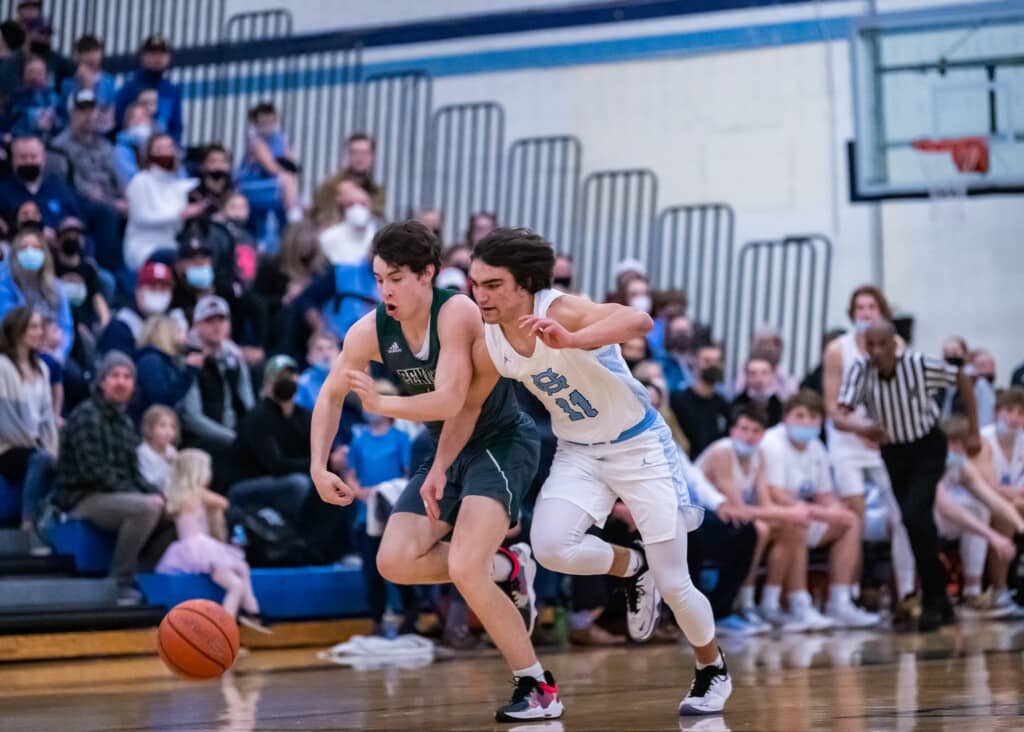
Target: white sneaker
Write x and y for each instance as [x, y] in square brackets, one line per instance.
[785, 622]
[851, 616]
[815, 620]
[752, 618]
[711, 686]
[642, 601]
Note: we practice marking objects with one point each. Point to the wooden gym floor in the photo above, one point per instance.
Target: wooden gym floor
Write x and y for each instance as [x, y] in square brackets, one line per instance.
[968, 678]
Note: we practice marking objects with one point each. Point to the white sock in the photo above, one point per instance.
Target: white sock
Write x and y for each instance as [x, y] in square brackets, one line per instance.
[295, 214]
[799, 601]
[536, 671]
[972, 589]
[855, 591]
[719, 661]
[770, 595]
[636, 563]
[839, 596]
[501, 567]
[747, 597]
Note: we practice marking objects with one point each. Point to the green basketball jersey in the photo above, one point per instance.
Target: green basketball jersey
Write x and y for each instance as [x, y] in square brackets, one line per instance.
[416, 376]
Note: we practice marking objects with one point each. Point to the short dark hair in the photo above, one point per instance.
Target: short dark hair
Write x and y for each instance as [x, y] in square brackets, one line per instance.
[956, 427]
[262, 108]
[87, 43]
[807, 398]
[528, 256]
[407, 244]
[210, 149]
[751, 410]
[1009, 398]
[360, 137]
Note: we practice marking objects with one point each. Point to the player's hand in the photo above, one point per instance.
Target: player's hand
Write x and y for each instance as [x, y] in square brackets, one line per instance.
[331, 488]
[839, 516]
[799, 514]
[361, 383]
[1003, 547]
[431, 492]
[551, 333]
[872, 433]
[732, 514]
[973, 444]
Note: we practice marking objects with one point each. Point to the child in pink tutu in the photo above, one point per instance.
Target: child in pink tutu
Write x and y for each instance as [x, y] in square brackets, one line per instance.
[196, 552]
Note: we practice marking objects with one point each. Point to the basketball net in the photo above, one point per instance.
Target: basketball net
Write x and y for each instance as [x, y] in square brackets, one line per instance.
[950, 166]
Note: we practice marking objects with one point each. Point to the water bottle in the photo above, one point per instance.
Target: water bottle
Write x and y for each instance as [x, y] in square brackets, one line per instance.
[561, 626]
[238, 537]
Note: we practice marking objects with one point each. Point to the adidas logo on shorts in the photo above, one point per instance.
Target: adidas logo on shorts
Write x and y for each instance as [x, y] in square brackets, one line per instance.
[394, 347]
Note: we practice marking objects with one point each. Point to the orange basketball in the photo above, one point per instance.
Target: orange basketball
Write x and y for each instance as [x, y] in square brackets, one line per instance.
[198, 640]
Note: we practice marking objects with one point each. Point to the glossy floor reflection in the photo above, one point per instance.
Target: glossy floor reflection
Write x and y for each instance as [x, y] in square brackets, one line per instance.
[966, 679]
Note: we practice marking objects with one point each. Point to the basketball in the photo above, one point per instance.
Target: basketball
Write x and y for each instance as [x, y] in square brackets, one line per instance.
[198, 640]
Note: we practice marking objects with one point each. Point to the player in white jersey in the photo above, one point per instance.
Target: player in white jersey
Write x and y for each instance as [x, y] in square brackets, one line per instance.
[857, 463]
[611, 444]
[735, 467]
[1006, 438]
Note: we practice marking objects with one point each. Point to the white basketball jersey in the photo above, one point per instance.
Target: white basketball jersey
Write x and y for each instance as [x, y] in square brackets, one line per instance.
[845, 448]
[1009, 472]
[591, 395]
[745, 481]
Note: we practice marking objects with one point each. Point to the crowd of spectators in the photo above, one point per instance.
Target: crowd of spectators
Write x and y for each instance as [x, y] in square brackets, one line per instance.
[162, 349]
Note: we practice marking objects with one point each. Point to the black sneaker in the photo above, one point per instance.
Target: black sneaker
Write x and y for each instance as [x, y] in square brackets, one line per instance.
[532, 699]
[711, 686]
[519, 585]
[642, 600]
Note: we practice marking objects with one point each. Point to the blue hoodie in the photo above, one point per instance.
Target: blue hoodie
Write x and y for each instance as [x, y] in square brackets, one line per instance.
[11, 297]
[159, 380]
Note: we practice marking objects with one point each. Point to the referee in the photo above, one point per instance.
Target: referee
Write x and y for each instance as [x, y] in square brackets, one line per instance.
[897, 389]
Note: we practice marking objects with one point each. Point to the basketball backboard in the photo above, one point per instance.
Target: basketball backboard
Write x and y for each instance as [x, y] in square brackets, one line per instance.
[933, 77]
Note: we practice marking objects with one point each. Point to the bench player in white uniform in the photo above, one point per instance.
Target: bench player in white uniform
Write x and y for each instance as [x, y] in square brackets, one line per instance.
[734, 466]
[797, 469]
[856, 464]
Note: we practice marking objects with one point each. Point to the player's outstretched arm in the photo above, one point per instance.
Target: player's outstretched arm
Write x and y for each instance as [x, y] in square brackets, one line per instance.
[359, 349]
[458, 328]
[992, 498]
[574, 322]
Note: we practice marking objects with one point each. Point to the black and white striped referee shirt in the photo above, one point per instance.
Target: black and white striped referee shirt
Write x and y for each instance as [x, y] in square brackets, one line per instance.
[902, 404]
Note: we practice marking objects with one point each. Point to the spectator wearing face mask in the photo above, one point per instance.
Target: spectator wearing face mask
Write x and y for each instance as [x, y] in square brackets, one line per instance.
[954, 352]
[323, 349]
[268, 173]
[562, 274]
[458, 255]
[28, 279]
[34, 109]
[481, 223]
[983, 364]
[90, 76]
[38, 44]
[360, 156]
[157, 203]
[51, 195]
[194, 269]
[433, 219]
[703, 413]
[767, 342]
[153, 289]
[154, 60]
[676, 360]
[760, 382]
[215, 179]
[130, 144]
[348, 241]
[80, 282]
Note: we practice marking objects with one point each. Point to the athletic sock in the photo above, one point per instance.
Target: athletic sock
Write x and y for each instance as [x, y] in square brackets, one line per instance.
[719, 662]
[770, 596]
[799, 601]
[536, 671]
[972, 589]
[501, 567]
[746, 597]
[636, 563]
[839, 596]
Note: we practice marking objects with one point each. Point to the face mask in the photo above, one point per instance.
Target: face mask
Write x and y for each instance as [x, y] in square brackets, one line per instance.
[990, 378]
[31, 260]
[641, 303]
[631, 363]
[357, 215]
[238, 221]
[217, 179]
[76, 292]
[1003, 428]
[154, 302]
[151, 76]
[957, 361]
[71, 245]
[28, 173]
[140, 133]
[955, 460]
[199, 276]
[742, 449]
[802, 433]
[322, 365]
[711, 375]
[564, 282]
[678, 342]
[267, 132]
[39, 48]
[861, 326]
[167, 162]
[285, 389]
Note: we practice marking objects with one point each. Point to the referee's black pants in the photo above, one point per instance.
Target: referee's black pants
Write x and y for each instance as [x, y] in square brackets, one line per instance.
[914, 470]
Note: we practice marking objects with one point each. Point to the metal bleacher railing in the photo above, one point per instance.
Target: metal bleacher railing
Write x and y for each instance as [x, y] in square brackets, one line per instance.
[454, 158]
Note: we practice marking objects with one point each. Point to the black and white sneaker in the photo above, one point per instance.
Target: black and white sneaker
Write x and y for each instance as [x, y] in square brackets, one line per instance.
[519, 585]
[532, 699]
[711, 686]
[642, 600]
